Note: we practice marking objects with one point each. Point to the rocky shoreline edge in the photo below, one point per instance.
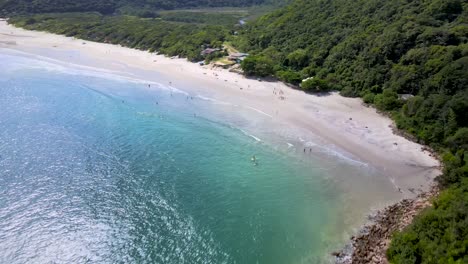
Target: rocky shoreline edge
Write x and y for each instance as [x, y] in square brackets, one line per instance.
[371, 242]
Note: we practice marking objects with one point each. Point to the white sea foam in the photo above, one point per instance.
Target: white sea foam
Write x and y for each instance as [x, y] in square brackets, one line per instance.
[250, 135]
[40, 62]
[392, 180]
[213, 100]
[259, 111]
[342, 155]
[333, 151]
[347, 158]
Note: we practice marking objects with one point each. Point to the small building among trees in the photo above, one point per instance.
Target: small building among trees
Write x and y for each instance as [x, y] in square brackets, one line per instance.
[209, 51]
[237, 56]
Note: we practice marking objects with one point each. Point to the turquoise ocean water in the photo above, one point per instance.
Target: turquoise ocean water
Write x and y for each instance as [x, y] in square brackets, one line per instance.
[97, 169]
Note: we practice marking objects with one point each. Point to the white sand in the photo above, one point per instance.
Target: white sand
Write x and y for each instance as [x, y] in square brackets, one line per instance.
[341, 122]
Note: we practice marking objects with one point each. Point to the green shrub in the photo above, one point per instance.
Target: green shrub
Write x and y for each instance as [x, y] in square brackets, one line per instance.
[368, 98]
[257, 65]
[348, 91]
[438, 235]
[289, 76]
[386, 101]
[314, 84]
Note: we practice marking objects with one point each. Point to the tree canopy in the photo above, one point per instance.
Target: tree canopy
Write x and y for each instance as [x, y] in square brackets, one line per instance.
[112, 6]
[173, 39]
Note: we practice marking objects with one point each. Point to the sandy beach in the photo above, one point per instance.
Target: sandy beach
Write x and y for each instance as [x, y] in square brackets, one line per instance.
[345, 124]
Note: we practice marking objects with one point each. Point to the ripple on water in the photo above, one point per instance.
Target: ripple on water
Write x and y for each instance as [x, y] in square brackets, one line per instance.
[92, 170]
[68, 199]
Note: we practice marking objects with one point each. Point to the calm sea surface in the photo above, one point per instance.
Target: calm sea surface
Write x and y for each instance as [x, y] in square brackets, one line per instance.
[96, 169]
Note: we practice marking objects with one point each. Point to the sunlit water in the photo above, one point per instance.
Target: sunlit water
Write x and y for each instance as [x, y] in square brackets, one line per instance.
[101, 170]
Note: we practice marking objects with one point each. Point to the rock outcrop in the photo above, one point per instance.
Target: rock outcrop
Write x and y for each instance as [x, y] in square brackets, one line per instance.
[371, 243]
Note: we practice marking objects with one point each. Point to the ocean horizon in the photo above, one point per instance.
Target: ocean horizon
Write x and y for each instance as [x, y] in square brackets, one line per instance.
[102, 168]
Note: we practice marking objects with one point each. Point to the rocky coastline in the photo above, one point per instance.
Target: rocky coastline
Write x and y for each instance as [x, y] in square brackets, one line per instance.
[371, 242]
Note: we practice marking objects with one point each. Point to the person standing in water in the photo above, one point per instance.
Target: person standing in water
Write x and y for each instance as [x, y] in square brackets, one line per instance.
[254, 160]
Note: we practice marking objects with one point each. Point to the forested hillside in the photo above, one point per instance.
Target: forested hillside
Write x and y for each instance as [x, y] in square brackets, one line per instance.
[169, 38]
[112, 6]
[143, 24]
[384, 51]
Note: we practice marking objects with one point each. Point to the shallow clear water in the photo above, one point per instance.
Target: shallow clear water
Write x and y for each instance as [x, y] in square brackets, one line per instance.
[98, 170]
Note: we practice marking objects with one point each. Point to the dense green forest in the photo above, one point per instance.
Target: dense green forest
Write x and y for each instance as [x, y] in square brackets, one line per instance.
[182, 39]
[225, 18]
[8, 7]
[408, 58]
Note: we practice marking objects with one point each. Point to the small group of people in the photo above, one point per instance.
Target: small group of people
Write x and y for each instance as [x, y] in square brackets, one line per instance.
[280, 93]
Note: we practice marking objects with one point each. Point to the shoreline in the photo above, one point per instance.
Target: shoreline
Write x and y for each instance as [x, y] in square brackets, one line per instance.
[370, 244]
[344, 123]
